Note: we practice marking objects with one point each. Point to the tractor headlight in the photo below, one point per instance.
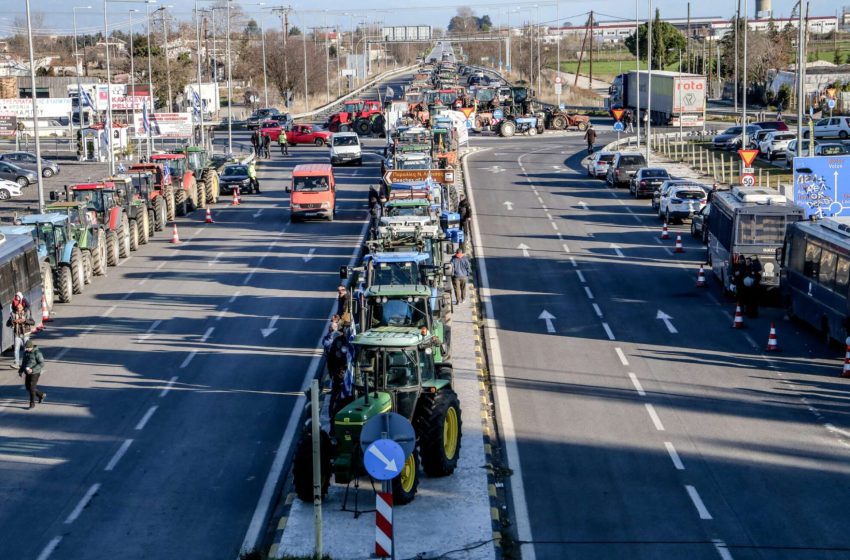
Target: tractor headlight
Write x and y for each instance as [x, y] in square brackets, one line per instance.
[409, 299]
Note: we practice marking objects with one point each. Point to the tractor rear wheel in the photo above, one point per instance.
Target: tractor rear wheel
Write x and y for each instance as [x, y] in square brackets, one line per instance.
[66, 284]
[378, 124]
[88, 269]
[124, 237]
[78, 275]
[344, 128]
[99, 256]
[47, 284]
[559, 122]
[407, 482]
[161, 213]
[134, 235]
[180, 203]
[438, 426]
[111, 248]
[145, 228]
[302, 466]
[507, 129]
[582, 126]
[362, 126]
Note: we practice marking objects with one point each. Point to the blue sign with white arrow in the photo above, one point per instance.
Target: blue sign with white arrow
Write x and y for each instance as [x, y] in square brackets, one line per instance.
[383, 459]
[498, 114]
[822, 185]
[618, 126]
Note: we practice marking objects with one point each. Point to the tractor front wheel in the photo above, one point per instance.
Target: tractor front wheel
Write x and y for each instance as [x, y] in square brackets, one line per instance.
[438, 425]
[362, 126]
[302, 466]
[201, 194]
[78, 278]
[66, 284]
[180, 202]
[407, 482]
[559, 122]
[582, 126]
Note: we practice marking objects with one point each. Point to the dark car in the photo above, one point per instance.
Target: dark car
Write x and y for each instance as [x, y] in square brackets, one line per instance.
[781, 126]
[699, 223]
[259, 116]
[730, 139]
[625, 165]
[27, 160]
[646, 180]
[236, 175]
[11, 172]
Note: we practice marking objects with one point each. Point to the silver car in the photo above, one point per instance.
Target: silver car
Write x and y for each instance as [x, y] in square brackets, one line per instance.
[27, 160]
[21, 176]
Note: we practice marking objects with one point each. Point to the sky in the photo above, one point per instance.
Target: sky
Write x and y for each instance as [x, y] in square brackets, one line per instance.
[58, 13]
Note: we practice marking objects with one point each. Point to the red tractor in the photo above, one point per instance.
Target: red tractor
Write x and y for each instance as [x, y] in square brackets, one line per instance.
[153, 185]
[183, 181]
[361, 115]
[102, 204]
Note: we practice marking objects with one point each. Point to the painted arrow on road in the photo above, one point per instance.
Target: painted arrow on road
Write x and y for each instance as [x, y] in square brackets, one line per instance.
[617, 250]
[666, 318]
[271, 328]
[389, 464]
[583, 204]
[524, 248]
[508, 204]
[548, 317]
[309, 256]
[258, 212]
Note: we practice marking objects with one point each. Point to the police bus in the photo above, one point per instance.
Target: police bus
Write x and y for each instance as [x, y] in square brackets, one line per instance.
[816, 275]
[19, 272]
[748, 222]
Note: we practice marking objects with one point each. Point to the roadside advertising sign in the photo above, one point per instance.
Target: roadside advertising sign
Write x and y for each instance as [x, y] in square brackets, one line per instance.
[8, 125]
[47, 108]
[164, 125]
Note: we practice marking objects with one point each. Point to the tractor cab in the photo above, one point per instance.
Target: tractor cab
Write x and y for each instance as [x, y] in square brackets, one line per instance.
[51, 234]
[98, 197]
[76, 213]
[156, 171]
[176, 163]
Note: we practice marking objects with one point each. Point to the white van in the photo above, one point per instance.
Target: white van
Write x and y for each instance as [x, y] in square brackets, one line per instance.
[345, 148]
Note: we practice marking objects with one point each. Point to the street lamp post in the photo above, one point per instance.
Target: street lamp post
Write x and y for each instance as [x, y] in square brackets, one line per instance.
[801, 77]
[198, 56]
[636, 118]
[108, 127]
[229, 87]
[35, 112]
[265, 72]
[131, 105]
[165, 25]
[649, 80]
[79, 67]
[150, 77]
[744, 138]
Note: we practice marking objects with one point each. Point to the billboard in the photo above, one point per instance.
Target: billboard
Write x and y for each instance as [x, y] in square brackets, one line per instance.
[822, 185]
[407, 33]
[164, 125]
[8, 125]
[129, 102]
[47, 108]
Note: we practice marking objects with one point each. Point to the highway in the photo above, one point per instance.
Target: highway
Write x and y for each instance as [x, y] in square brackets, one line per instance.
[171, 383]
[637, 423]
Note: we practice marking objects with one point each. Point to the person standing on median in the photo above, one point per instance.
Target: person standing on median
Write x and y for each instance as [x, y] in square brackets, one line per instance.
[460, 275]
[21, 322]
[32, 367]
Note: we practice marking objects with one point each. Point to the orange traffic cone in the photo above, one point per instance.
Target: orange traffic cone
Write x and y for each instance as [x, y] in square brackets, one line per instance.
[235, 197]
[664, 233]
[738, 323]
[679, 247]
[45, 313]
[772, 344]
[701, 277]
[209, 219]
[174, 237]
[846, 372]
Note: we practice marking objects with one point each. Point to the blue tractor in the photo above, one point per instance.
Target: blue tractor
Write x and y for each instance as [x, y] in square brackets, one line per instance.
[57, 248]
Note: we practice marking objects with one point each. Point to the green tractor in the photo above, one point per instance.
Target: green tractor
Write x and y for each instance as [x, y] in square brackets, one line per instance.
[72, 267]
[394, 370]
[205, 173]
[88, 234]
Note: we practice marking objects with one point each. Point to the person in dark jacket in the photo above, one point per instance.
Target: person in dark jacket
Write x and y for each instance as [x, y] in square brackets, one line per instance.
[590, 138]
[267, 142]
[32, 367]
[255, 142]
[343, 306]
[374, 197]
[465, 212]
[21, 323]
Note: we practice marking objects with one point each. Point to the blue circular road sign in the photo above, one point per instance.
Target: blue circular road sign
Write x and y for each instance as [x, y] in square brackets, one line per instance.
[383, 459]
[498, 114]
[830, 103]
[618, 126]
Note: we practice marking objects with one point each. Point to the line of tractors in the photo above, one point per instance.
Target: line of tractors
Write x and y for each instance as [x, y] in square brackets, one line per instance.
[91, 226]
[399, 334]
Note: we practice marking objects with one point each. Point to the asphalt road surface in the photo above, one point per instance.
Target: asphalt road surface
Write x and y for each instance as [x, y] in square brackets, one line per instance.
[171, 382]
[637, 423]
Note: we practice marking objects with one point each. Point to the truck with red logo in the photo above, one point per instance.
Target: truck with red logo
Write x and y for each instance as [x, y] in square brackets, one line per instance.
[675, 97]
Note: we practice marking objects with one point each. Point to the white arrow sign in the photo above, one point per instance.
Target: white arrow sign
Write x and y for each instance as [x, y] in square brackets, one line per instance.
[546, 316]
[617, 250]
[666, 318]
[309, 255]
[508, 204]
[583, 204]
[258, 212]
[524, 248]
[494, 169]
[388, 464]
[270, 329]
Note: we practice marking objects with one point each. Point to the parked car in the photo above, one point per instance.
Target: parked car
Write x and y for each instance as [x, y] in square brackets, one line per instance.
[597, 165]
[681, 202]
[624, 165]
[9, 189]
[791, 151]
[757, 139]
[730, 139]
[667, 185]
[307, 134]
[27, 160]
[831, 127]
[646, 180]
[699, 223]
[236, 175]
[775, 144]
[831, 149]
[23, 177]
[779, 126]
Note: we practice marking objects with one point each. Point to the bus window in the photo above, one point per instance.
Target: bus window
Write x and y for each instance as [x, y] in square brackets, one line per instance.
[760, 230]
[810, 268]
[826, 273]
[842, 275]
[33, 267]
[7, 282]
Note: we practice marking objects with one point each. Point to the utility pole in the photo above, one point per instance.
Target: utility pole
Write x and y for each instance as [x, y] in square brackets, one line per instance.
[198, 56]
[229, 87]
[283, 12]
[590, 53]
[737, 21]
[79, 67]
[636, 116]
[265, 71]
[35, 111]
[108, 127]
[167, 64]
[649, 81]
[150, 108]
[688, 40]
[557, 48]
[744, 137]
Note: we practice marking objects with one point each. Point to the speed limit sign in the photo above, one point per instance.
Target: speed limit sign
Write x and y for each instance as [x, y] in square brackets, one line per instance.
[748, 180]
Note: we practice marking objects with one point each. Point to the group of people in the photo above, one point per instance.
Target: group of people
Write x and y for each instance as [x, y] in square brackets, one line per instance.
[29, 360]
[339, 353]
[262, 144]
[746, 277]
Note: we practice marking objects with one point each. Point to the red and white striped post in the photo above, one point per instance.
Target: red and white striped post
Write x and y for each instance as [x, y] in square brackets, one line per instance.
[384, 525]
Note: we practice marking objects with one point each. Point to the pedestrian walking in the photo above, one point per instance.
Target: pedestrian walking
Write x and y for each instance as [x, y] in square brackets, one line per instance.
[284, 145]
[21, 323]
[31, 369]
[375, 214]
[590, 138]
[465, 212]
[252, 175]
[628, 121]
[460, 275]
[267, 142]
[374, 197]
